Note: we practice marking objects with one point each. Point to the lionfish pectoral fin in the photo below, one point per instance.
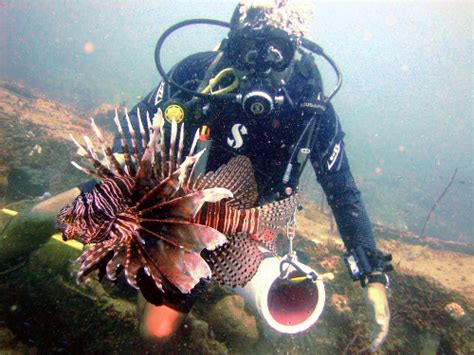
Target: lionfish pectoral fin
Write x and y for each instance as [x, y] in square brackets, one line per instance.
[187, 275]
[164, 262]
[186, 207]
[133, 264]
[182, 268]
[162, 192]
[117, 261]
[149, 267]
[92, 259]
[189, 236]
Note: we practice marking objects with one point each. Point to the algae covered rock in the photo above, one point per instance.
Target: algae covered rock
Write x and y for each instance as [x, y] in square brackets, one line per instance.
[231, 323]
[6, 337]
[199, 337]
[35, 148]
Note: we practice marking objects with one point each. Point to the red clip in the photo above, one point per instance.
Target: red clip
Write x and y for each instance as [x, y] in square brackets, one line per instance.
[205, 133]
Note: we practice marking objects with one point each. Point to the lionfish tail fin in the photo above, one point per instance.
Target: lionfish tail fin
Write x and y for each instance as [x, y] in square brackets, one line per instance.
[266, 239]
[276, 214]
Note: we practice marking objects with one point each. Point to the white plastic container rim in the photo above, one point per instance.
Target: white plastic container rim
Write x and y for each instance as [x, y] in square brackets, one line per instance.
[287, 307]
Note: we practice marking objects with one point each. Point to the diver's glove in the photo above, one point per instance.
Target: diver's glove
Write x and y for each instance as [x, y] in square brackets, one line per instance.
[376, 299]
[369, 267]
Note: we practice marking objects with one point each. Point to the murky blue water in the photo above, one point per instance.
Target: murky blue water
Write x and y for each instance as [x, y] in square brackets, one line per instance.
[405, 106]
[406, 103]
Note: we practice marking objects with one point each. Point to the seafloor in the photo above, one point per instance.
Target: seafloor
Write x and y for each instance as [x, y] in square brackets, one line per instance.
[43, 310]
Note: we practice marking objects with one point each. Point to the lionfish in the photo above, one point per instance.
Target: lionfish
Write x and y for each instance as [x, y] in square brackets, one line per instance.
[150, 217]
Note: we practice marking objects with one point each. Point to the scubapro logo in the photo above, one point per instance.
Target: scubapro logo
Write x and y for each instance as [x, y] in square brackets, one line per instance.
[238, 130]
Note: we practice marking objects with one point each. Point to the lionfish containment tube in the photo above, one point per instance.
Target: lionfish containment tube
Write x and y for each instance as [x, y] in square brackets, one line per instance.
[291, 304]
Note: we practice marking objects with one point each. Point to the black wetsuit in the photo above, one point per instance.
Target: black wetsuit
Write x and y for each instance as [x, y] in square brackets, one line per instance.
[269, 142]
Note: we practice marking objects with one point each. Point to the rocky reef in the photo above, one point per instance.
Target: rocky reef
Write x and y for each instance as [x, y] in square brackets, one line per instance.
[42, 308]
[35, 147]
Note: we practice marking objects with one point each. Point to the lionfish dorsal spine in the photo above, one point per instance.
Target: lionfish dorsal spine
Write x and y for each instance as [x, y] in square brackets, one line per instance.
[191, 177]
[180, 145]
[188, 176]
[136, 152]
[86, 170]
[80, 149]
[125, 149]
[142, 129]
[90, 147]
[193, 145]
[148, 123]
[157, 170]
[150, 151]
[163, 157]
[187, 168]
[110, 158]
[91, 156]
[172, 160]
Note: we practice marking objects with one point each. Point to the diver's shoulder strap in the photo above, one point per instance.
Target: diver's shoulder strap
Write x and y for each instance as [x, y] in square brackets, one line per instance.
[309, 71]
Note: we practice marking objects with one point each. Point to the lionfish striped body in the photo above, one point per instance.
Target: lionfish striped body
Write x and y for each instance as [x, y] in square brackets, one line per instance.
[153, 220]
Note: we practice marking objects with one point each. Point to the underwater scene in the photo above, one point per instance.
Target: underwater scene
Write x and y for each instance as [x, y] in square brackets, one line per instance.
[171, 187]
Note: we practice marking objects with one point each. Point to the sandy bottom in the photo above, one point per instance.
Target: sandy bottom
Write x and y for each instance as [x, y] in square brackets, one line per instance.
[455, 271]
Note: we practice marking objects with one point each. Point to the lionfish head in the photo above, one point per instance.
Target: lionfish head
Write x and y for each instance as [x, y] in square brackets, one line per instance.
[67, 223]
[74, 222]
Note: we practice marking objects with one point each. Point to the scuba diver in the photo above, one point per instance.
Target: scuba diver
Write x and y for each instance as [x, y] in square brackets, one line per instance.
[259, 95]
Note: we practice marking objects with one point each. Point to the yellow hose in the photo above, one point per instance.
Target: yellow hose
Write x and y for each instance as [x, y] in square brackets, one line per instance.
[214, 81]
[57, 236]
[70, 243]
[9, 212]
[298, 278]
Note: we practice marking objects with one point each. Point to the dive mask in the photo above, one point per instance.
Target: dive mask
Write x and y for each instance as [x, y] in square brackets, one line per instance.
[260, 52]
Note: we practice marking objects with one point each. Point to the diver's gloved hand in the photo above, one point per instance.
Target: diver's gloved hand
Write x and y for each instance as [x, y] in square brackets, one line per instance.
[376, 298]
